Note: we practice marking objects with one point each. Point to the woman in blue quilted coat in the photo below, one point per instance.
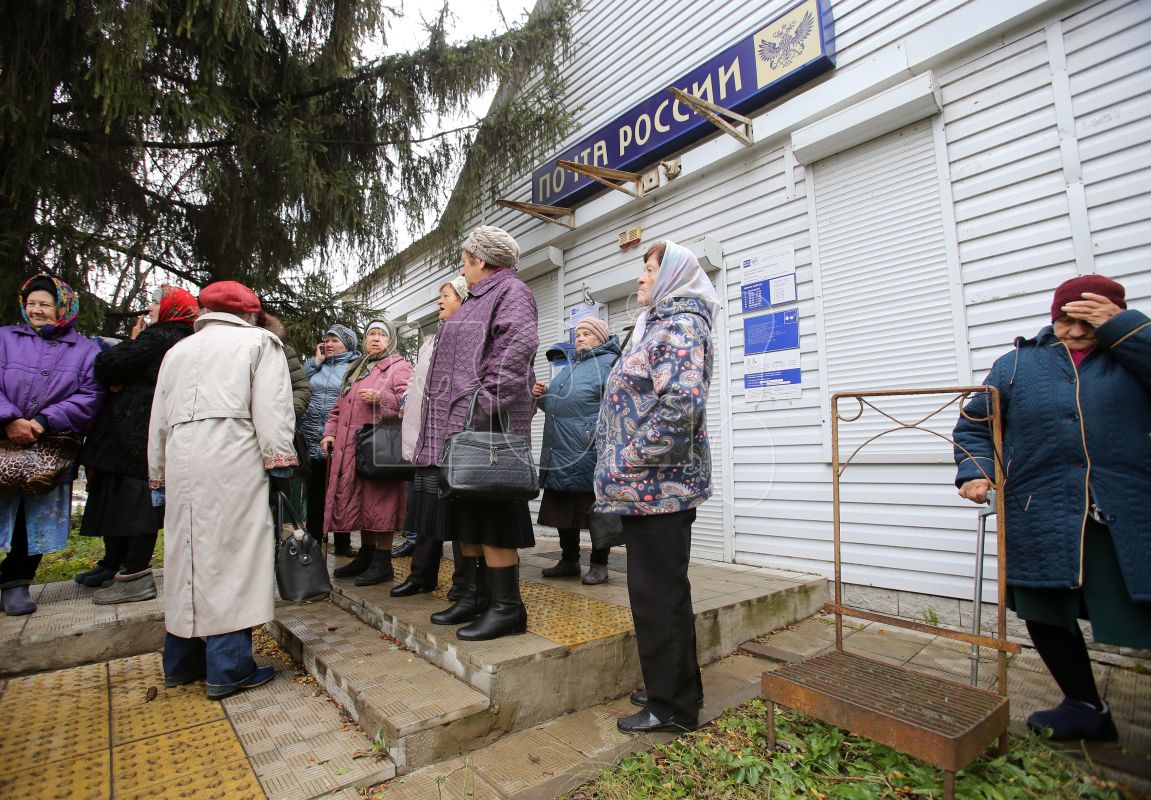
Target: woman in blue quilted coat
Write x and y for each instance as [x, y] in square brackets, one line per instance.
[653, 468]
[1076, 404]
[567, 459]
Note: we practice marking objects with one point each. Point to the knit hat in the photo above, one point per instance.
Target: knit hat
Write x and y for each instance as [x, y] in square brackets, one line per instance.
[345, 335]
[493, 246]
[229, 296]
[460, 285]
[1071, 290]
[597, 326]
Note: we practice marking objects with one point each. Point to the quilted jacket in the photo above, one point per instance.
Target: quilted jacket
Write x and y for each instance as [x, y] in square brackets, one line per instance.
[653, 454]
[326, 379]
[567, 460]
[53, 378]
[490, 343]
[1071, 435]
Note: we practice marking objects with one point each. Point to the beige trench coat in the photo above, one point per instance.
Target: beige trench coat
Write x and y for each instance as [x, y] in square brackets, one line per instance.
[222, 416]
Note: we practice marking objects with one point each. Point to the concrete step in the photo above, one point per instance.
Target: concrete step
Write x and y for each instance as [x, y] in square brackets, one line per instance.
[417, 711]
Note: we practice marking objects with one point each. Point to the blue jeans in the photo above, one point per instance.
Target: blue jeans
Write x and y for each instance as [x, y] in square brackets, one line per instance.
[410, 537]
[225, 659]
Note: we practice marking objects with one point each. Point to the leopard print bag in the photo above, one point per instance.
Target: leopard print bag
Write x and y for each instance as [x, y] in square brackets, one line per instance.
[36, 468]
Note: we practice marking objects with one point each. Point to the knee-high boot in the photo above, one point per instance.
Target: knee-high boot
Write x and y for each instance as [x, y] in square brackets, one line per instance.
[506, 613]
[474, 599]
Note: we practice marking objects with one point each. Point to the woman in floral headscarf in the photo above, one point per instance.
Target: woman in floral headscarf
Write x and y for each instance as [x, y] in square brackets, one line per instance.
[47, 386]
[115, 454]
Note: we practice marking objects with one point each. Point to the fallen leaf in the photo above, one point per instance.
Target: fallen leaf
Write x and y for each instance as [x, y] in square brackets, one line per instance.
[150, 695]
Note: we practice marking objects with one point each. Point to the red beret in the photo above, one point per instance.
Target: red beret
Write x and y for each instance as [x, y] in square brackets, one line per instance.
[1071, 290]
[230, 296]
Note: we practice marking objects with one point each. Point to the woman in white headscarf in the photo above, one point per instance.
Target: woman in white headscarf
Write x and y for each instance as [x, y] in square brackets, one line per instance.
[653, 468]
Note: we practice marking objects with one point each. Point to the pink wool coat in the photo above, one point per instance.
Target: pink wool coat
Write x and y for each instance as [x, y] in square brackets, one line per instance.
[355, 503]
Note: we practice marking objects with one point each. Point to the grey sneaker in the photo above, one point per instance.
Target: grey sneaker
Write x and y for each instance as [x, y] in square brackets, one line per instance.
[127, 589]
[596, 574]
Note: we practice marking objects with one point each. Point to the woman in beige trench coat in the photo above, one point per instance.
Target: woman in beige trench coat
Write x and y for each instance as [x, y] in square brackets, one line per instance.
[221, 428]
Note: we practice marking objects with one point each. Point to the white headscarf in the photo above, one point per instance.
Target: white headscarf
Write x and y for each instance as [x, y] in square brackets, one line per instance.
[680, 275]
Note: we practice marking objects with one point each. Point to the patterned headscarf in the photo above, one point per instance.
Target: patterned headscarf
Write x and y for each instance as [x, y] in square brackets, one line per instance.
[680, 275]
[365, 363]
[67, 302]
[176, 304]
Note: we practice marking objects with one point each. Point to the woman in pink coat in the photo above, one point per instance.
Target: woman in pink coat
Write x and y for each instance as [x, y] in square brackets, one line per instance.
[373, 390]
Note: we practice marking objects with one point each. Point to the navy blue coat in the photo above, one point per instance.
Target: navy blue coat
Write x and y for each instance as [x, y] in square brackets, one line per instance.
[567, 461]
[1069, 432]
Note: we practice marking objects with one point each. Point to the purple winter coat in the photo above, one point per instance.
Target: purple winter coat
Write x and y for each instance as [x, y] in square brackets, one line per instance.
[490, 342]
[52, 378]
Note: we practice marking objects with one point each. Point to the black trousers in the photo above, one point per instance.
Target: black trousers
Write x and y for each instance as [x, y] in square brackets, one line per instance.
[131, 553]
[18, 568]
[658, 553]
[426, 558]
[569, 542]
[317, 490]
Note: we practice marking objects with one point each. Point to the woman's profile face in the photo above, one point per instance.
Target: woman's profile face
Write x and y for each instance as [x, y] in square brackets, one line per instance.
[449, 302]
[154, 311]
[474, 269]
[376, 341]
[40, 308]
[647, 280]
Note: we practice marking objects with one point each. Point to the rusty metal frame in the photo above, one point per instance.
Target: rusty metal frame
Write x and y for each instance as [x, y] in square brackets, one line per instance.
[723, 118]
[541, 212]
[822, 685]
[612, 178]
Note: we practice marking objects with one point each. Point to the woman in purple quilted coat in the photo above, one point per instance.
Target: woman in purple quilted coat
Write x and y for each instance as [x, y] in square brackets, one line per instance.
[47, 385]
[489, 344]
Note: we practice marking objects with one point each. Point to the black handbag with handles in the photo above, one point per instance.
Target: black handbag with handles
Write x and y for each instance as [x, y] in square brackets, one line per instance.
[493, 465]
[301, 572]
[379, 452]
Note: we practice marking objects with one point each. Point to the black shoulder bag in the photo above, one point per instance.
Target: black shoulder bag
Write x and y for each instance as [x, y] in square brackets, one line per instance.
[301, 572]
[494, 465]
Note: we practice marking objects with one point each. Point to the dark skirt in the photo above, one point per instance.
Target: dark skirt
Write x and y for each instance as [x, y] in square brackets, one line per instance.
[427, 512]
[1103, 598]
[119, 505]
[496, 523]
[565, 509]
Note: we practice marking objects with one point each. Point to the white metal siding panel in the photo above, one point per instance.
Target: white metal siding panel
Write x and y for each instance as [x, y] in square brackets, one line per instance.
[545, 288]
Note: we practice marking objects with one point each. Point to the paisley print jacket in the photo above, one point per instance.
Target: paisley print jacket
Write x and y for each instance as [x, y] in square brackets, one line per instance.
[653, 454]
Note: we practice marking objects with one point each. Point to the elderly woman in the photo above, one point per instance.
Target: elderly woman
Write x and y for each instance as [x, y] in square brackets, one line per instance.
[372, 391]
[489, 344]
[567, 461]
[115, 455]
[325, 373]
[47, 385]
[1076, 406]
[654, 468]
[427, 514]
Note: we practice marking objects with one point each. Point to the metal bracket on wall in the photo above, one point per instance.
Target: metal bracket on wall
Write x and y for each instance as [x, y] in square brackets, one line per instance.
[613, 178]
[719, 116]
[545, 213]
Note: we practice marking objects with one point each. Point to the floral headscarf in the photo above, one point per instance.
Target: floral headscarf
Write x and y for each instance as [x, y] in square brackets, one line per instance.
[67, 302]
[176, 304]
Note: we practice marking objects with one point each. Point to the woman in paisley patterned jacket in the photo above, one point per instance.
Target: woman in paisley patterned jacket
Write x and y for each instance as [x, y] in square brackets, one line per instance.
[654, 468]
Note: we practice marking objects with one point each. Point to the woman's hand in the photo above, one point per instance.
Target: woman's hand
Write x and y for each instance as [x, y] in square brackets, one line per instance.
[1093, 308]
[539, 390]
[370, 396]
[975, 490]
[320, 355]
[23, 431]
[326, 444]
[141, 324]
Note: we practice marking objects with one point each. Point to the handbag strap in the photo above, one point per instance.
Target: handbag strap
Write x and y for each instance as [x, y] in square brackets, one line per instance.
[505, 422]
[283, 502]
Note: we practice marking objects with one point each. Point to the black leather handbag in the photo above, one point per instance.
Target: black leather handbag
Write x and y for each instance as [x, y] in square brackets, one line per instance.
[379, 452]
[493, 465]
[301, 572]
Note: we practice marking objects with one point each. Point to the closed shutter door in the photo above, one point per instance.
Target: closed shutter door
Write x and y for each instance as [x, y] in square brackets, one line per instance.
[707, 534]
[545, 288]
[886, 298]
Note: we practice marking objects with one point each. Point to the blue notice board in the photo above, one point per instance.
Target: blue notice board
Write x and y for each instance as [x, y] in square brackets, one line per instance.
[771, 332]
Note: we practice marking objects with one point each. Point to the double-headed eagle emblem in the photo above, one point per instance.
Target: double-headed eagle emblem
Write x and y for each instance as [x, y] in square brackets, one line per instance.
[791, 38]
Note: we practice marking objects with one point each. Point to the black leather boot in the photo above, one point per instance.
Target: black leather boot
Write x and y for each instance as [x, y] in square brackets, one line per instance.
[506, 613]
[342, 545]
[474, 600]
[357, 565]
[379, 571]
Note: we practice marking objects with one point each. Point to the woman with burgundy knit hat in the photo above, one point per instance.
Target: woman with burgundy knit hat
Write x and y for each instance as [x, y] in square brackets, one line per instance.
[1076, 404]
[221, 433]
[47, 386]
[115, 454]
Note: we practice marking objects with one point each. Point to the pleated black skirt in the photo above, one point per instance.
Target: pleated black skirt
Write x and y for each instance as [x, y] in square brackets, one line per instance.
[119, 505]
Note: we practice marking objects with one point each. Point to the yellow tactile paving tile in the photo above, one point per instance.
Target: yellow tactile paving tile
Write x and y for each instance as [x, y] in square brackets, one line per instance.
[176, 755]
[142, 707]
[81, 777]
[234, 781]
[562, 617]
[43, 725]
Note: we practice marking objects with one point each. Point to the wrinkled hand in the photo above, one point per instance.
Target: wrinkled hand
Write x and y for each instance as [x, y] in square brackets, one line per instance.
[23, 431]
[326, 444]
[141, 324]
[975, 490]
[1093, 308]
[540, 389]
[370, 396]
[320, 355]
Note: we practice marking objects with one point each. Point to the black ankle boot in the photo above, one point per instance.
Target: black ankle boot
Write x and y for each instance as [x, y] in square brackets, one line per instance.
[506, 613]
[379, 571]
[474, 600]
[357, 565]
[342, 545]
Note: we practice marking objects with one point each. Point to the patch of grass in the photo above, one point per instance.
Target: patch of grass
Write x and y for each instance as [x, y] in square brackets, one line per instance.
[730, 759]
[930, 617]
[82, 553]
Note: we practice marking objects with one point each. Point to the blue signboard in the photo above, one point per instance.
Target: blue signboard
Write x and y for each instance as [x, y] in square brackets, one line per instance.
[771, 332]
[773, 378]
[788, 51]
